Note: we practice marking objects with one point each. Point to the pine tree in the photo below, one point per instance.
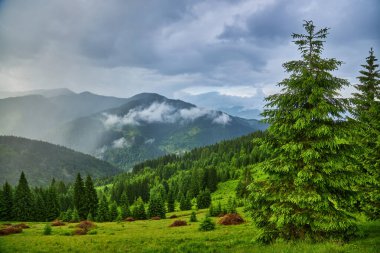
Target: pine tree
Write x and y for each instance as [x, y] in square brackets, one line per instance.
[156, 206]
[6, 212]
[103, 211]
[204, 199]
[193, 217]
[23, 204]
[51, 203]
[67, 215]
[171, 201]
[113, 212]
[366, 112]
[75, 216]
[138, 211]
[79, 197]
[91, 197]
[125, 211]
[310, 175]
[185, 203]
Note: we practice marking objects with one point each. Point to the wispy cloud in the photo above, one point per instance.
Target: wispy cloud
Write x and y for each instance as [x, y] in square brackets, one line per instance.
[162, 113]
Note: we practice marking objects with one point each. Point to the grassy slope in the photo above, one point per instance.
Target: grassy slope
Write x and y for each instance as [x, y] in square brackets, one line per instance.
[157, 236]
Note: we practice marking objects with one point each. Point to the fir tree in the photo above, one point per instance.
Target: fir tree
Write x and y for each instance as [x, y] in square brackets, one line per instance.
[171, 201]
[67, 215]
[204, 199]
[103, 211]
[75, 216]
[79, 197]
[125, 211]
[156, 206]
[113, 212]
[193, 217]
[23, 204]
[138, 211]
[6, 212]
[185, 203]
[366, 112]
[51, 203]
[309, 177]
[91, 197]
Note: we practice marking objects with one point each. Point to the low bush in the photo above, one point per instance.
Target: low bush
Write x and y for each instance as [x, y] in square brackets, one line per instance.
[155, 218]
[193, 217]
[10, 230]
[86, 225]
[47, 229]
[231, 219]
[207, 224]
[173, 216]
[57, 223]
[178, 223]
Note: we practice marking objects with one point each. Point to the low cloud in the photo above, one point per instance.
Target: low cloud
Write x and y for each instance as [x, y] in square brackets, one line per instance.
[121, 143]
[163, 113]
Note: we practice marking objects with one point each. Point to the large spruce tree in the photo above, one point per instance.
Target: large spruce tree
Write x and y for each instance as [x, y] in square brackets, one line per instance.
[366, 112]
[300, 191]
[91, 197]
[23, 201]
[6, 210]
[79, 197]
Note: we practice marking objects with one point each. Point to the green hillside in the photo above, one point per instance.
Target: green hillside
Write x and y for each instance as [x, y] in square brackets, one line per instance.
[42, 161]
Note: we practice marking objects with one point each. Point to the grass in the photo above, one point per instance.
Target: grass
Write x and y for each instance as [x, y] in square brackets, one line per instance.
[157, 236]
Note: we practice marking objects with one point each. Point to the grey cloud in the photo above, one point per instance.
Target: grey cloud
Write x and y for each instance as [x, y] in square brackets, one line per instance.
[126, 47]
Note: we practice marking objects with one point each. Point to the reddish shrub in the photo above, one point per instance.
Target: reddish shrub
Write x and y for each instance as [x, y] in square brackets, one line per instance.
[173, 216]
[156, 218]
[178, 223]
[80, 231]
[21, 225]
[231, 219]
[86, 225]
[129, 219]
[10, 230]
[57, 223]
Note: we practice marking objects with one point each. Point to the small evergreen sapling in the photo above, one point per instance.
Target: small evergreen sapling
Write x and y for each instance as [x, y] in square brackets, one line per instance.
[206, 224]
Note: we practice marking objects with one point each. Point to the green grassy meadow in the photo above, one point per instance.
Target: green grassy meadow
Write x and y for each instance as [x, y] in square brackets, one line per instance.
[157, 236]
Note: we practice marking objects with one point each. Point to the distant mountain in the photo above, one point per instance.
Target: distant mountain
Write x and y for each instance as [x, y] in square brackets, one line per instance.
[149, 125]
[42, 161]
[35, 116]
[45, 93]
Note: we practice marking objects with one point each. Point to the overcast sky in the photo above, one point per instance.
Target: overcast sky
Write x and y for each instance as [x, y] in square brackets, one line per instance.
[216, 53]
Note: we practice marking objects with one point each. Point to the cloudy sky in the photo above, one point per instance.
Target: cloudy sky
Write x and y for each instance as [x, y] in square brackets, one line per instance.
[215, 53]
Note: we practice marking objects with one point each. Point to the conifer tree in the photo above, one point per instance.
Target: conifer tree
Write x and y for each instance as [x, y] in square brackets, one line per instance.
[91, 197]
[113, 212]
[156, 206]
[6, 212]
[366, 112]
[138, 211]
[125, 211]
[79, 197]
[23, 204]
[75, 216]
[204, 199]
[51, 202]
[171, 201]
[310, 177]
[103, 211]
